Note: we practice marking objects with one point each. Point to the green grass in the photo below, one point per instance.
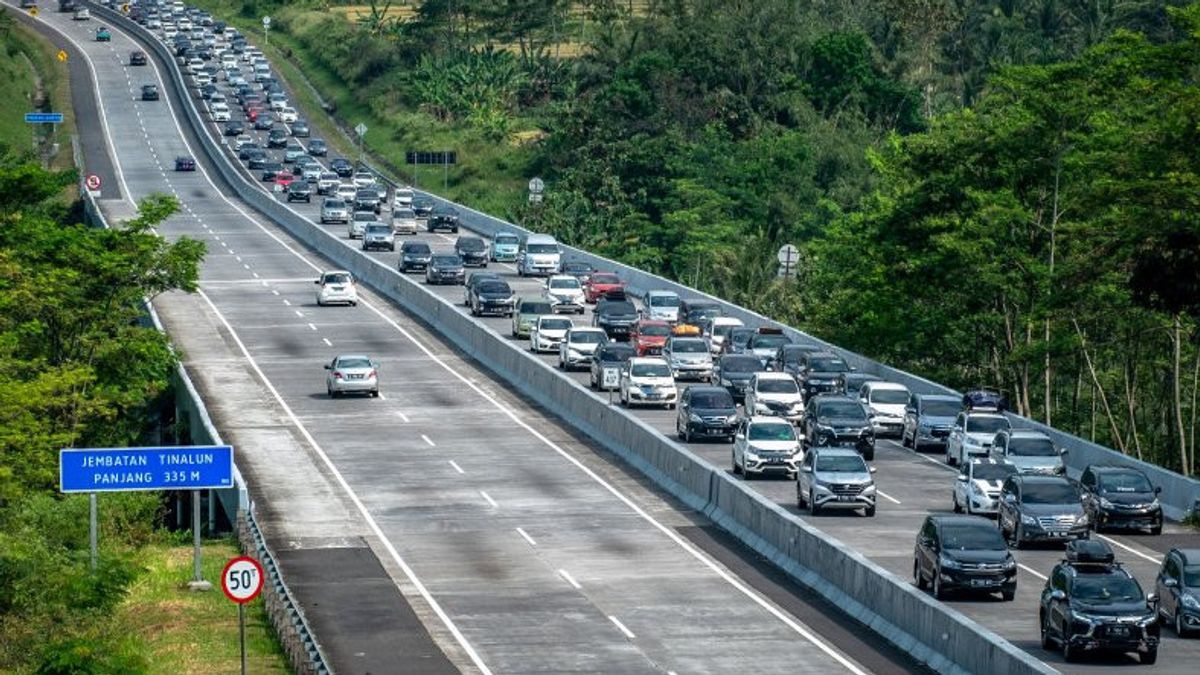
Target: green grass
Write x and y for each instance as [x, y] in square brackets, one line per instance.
[185, 631]
[26, 57]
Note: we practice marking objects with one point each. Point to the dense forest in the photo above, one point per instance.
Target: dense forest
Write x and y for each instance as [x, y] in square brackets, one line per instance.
[984, 192]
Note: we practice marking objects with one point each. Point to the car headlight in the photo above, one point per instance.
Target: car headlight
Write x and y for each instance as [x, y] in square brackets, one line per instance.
[695, 418]
[975, 489]
[575, 353]
[1010, 564]
[1085, 618]
[751, 455]
[868, 490]
[1190, 601]
[1083, 520]
[732, 419]
[1028, 520]
[1155, 504]
[821, 488]
[1105, 504]
[950, 563]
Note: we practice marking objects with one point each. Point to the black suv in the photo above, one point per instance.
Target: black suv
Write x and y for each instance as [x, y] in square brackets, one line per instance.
[609, 357]
[1121, 497]
[277, 138]
[963, 553]
[1041, 508]
[441, 218]
[696, 312]
[838, 421]
[422, 206]
[790, 357]
[491, 296]
[299, 191]
[149, 92]
[137, 58]
[472, 250]
[733, 371]
[706, 411]
[818, 373]
[414, 255]
[367, 199]
[342, 167]
[615, 316]
[1090, 603]
[1178, 588]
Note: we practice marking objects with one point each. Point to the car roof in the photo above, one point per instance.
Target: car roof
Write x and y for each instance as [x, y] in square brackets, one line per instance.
[881, 384]
[588, 329]
[988, 460]
[648, 359]
[772, 375]
[1040, 478]
[1027, 433]
[829, 450]
[352, 356]
[1106, 468]
[649, 293]
[940, 397]
[706, 389]
[771, 419]
[954, 519]
[652, 322]
[726, 321]
[985, 413]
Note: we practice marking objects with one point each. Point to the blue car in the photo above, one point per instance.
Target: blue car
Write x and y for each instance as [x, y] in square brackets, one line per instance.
[928, 419]
[505, 246]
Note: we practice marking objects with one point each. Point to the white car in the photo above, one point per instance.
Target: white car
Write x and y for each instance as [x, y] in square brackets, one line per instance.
[977, 486]
[241, 140]
[547, 332]
[336, 287]
[717, 330]
[972, 435]
[579, 346]
[774, 394]
[327, 183]
[83, 14]
[357, 227]
[220, 112]
[766, 445]
[363, 179]
[347, 191]
[202, 78]
[352, 374]
[288, 115]
[886, 402]
[277, 101]
[647, 381]
[404, 198]
[662, 305]
[565, 293]
[404, 221]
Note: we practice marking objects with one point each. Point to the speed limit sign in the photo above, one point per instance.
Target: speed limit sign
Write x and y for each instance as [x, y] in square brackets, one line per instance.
[242, 579]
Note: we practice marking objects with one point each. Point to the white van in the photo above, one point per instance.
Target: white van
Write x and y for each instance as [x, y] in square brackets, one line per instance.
[539, 254]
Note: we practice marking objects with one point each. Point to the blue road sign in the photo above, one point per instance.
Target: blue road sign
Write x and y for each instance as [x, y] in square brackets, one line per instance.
[186, 467]
[44, 118]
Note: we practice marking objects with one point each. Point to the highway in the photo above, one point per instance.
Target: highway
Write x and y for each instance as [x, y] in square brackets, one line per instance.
[533, 551]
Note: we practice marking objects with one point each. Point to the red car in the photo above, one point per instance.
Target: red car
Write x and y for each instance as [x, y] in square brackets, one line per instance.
[284, 179]
[600, 283]
[253, 112]
[649, 335]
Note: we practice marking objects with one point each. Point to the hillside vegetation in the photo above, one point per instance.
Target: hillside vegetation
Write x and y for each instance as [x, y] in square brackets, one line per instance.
[984, 192]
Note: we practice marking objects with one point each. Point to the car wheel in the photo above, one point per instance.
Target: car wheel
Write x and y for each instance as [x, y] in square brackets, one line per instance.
[686, 434]
[904, 439]
[950, 458]
[869, 455]
[1070, 654]
[870, 511]
[918, 579]
[1018, 536]
[375, 394]
[747, 474]
[957, 507]
[733, 462]
[1179, 629]
[1008, 594]
[1150, 656]
[1156, 530]
[939, 591]
[813, 507]
[1044, 630]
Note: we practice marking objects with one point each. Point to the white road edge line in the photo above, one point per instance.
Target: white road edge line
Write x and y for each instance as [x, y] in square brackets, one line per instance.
[886, 496]
[1156, 561]
[489, 499]
[526, 537]
[570, 580]
[621, 627]
[457, 467]
[1032, 571]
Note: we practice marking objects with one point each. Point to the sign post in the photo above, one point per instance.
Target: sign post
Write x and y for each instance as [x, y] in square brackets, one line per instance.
[242, 581]
[92, 527]
[266, 30]
[536, 187]
[361, 130]
[788, 256]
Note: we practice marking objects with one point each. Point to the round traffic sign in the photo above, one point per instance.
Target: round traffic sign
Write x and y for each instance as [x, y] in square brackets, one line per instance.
[536, 185]
[92, 182]
[266, 21]
[242, 579]
[788, 254]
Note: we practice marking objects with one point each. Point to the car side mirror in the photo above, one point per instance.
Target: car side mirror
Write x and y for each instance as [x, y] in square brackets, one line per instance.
[872, 469]
[328, 367]
[1010, 498]
[1057, 595]
[741, 435]
[1063, 452]
[1152, 598]
[962, 478]
[806, 469]
[1158, 490]
[1170, 583]
[317, 282]
[852, 369]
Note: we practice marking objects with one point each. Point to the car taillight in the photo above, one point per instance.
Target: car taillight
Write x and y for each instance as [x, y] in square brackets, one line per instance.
[371, 374]
[337, 374]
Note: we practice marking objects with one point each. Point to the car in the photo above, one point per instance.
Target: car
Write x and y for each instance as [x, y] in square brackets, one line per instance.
[644, 380]
[1030, 451]
[718, 329]
[579, 269]
[82, 14]
[265, 123]
[327, 184]
[977, 485]
[207, 91]
[492, 296]
[346, 191]
[276, 101]
[963, 553]
[972, 435]
[648, 336]
[270, 170]
[477, 278]
[927, 420]
[300, 129]
[765, 342]
[605, 370]
[357, 227]
[579, 346]
[336, 287]
[504, 244]
[738, 342]
[442, 218]
[352, 374]
[334, 210]
[292, 152]
[835, 478]
[734, 372]
[547, 332]
[776, 395]
[1041, 508]
[539, 254]
[1178, 588]
[184, 163]
[615, 316]
[342, 167]
[404, 197]
[831, 420]
[817, 372]
[317, 147]
[1090, 603]
[472, 250]
[277, 138]
[367, 200]
[697, 311]
[256, 159]
[149, 92]
[310, 171]
[706, 411]
[445, 268]
[688, 357]
[234, 128]
[299, 191]
[379, 235]
[600, 283]
[662, 305]
[765, 446]
[404, 221]
[414, 256]
[565, 293]
[985, 400]
[137, 58]
[1120, 498]
[284, 180]
[364, 179]
[244, 143]
[526, 310]
[288, 115]
[423, 207]
[102, 35]
[885, 401]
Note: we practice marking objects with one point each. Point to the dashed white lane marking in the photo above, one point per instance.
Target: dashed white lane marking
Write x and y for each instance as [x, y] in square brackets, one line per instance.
[327, 342]
[457, 467]
[887, 496]
[245, 265]
[1156, 561]
[526, 537]
[428, 441]
[1032, 571]
[287, 302]
[237, 258]
[254, 274]
[311, 325]
[621, 627]
[570, 580]
[274, 291]
[489, 499]
[402, 416]
[299, 313]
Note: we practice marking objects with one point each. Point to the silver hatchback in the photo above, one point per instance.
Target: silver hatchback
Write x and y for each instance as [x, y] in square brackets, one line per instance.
[354, 374]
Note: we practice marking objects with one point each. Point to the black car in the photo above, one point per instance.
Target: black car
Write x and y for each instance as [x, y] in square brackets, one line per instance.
[442, 218]
[270, 170]
[984, 399]
[256, 159]
[963, 553]
[788, 358]
[209, 90]
[422, 206]
[615, 317]
[183, 163]
[317, 148]
[149, 92]
[578, 269]
[474, 280]
[697, 312]
[300, 129]
[299, 191]
[1178, 589]
[739, 339]
[235, 128]
[342, 167]
[838, 421]
[414, 255]
[818, 373]
[277, 138]
[607, 362]
[492, 296]
[1091, 604]
[706, 411]
[445, 269]
[733, 371]
[1036, 507]
[367, 199]
[264, 123]
[137, 58]
[1121, 497]
[848, 384]
[472, 250]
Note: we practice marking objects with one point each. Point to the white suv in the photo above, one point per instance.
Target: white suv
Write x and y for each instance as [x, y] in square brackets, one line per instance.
[564, 293]
[886, 401]
[972, 435]
[579, 346]
[766, 445]
[547, 332]
[647, 381]
[774, 394]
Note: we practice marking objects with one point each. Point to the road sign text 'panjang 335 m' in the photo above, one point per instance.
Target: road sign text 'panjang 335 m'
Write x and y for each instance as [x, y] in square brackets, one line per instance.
[194, 467]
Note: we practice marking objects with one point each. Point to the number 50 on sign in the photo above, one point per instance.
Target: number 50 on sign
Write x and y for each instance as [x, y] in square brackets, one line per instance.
[242, 579]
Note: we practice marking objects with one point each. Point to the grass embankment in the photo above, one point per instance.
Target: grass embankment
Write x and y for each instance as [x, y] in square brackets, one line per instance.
[34, 80]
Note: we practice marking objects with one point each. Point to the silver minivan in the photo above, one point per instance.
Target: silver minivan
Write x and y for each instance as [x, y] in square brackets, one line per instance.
[835, 478]
[1030, 451]
[539, 255]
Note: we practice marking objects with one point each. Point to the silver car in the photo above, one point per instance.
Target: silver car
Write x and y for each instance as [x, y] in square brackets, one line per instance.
[689, 358]
[1030, 451]
[353, 374]
[404, 221]
[835, 478]
[357, 227]
[378, 235]
[334, 211]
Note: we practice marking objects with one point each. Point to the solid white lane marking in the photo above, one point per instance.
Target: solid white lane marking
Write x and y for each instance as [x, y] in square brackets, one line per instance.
[526, 537]
[886, 496]
[1032, 571]
[621, 627]
[1156, 561]
[570, 579]
[457, 467]
[327, 342]
[402, 416]
[489, 499]
[380, 395]
[428, 441]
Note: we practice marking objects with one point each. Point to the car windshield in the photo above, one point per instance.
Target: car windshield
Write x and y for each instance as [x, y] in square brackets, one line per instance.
[772, 431]
[829, 365]
[470, 244]
[564, 284]
[542, 248]
[536, 307]
[774, 386]
[713, 401]
[1050, 493]
[689, 347]
[588, 337]
[655, 330]
[650, 370]
[841, 464]
[845, 409]
[972, 538]
[404, 214]
[1124, 481]
[991, 472]
[723, 330]
[354, 362]
[445, 260]
[664, 301]
[506, 240]
[1191, 576]
[616, 353]
[703, 314]
[1031, 447]
[740, 364]
[378, 229]
[618, 307]
[889, 396]
[1104, 589]
[742, 336]
[417, 249]
[556, 324]
[604, 278]
[986, 425]
[768, 341]
[498, 287]
[337, 278]
[938, 408]
[361, 217]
